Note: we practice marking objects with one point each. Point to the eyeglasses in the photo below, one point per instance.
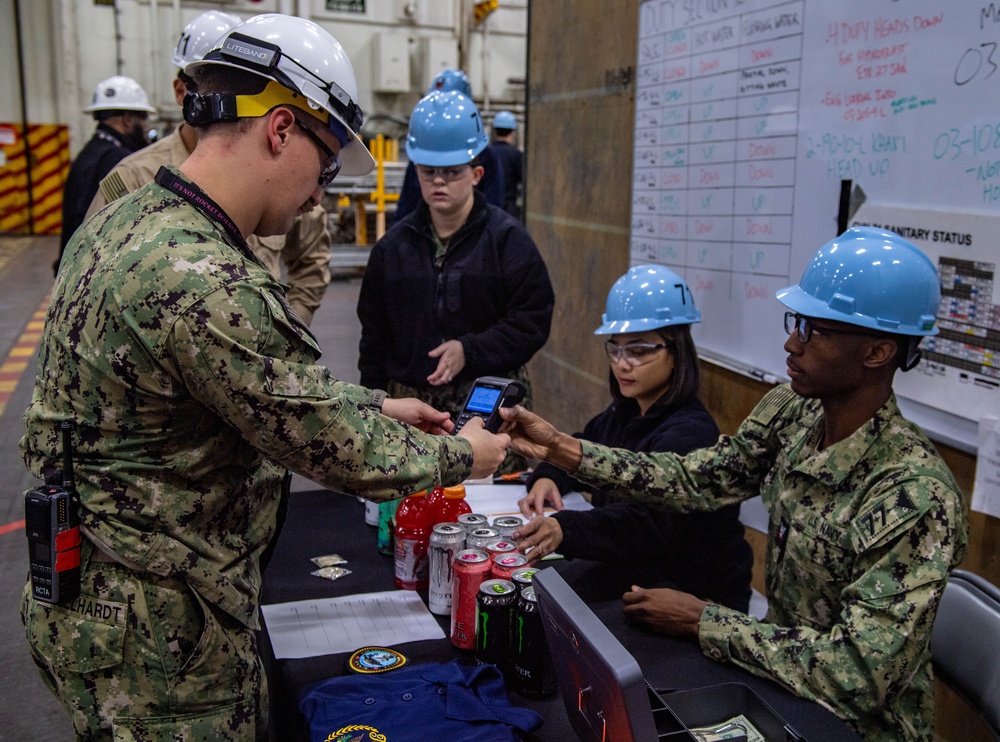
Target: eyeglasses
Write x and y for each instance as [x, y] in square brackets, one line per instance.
[449, 174]
[635, 354]
[330, 171]
[806, 329]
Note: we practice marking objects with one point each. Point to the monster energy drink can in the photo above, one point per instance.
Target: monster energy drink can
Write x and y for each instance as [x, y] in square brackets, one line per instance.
[506, 525]
[500, 546]
[534, 673]
[505, 563]
[471, 567]
[522, 578]
[447, 539]
[494, 624]
[477, 538]
[472, 521]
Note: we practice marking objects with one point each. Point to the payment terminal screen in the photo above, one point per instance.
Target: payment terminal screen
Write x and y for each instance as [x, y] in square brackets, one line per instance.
[483, 399]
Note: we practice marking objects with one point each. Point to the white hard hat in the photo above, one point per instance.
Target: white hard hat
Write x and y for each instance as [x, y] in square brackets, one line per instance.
[199, 36]
[302, 57]
[119, 93]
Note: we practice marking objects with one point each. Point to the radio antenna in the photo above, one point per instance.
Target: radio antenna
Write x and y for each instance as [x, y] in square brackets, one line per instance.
[67, 441]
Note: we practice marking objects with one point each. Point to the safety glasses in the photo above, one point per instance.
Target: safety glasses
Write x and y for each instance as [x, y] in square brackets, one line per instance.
[330, 171]
[635, 354]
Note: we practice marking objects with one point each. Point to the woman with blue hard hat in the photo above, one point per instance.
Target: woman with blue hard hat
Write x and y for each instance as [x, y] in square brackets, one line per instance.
[653, 379]
[866, 519]
[491, 183]
[458, 289]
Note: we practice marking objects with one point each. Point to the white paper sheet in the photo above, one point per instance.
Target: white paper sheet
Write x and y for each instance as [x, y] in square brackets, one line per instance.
[492, 500]
[986, 490]
[310, 628]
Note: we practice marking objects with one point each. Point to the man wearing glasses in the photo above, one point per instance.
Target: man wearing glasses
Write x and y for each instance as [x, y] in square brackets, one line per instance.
[193, 389]
[866, 520]
[304, 251]
[457, 289]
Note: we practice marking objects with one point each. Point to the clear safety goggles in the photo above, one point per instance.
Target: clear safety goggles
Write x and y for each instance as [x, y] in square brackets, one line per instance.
[635, 354]
[448, 174]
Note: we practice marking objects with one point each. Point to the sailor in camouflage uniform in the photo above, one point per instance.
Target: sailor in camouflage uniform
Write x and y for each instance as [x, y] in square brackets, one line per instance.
[866, 520]
[193, 388]
[304, 251]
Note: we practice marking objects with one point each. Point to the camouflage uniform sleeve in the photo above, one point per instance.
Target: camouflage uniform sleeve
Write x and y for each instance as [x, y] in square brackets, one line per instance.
[232, 352]
[880, 640]
[307, 262]
[706, 479]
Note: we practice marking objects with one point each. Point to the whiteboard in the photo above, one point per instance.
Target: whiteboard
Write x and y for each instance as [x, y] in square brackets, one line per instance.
[751, 114]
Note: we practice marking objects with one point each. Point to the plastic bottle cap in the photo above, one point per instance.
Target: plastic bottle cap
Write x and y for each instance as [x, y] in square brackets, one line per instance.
[454, 492]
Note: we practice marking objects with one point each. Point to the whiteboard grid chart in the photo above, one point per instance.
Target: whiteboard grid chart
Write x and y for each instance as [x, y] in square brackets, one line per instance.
[752, 117]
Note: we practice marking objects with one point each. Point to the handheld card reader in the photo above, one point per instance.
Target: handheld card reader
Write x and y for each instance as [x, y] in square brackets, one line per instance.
[485, 399]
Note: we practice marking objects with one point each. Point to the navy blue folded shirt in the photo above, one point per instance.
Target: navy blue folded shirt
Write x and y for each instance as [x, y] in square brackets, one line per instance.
[455, 701]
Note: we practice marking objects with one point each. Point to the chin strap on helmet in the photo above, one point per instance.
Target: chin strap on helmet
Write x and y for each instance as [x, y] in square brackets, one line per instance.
[913, 353]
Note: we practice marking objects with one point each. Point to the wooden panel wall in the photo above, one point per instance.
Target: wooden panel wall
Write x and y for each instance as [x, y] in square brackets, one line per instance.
[581, 63]
[578, 157]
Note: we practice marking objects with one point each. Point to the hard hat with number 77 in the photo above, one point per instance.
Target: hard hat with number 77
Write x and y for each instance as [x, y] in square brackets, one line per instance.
[872, 278]
[648, 297]
[309, 70]
[119, 93]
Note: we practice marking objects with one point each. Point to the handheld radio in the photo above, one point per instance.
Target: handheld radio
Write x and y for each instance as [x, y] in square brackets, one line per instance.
[485, 399]
[52, 524]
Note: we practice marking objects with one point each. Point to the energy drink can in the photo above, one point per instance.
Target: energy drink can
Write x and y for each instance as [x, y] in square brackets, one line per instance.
[497, 601]
[534, 673]
[500, 546]
[477, 538]
[505, 563]
[522, 577]
[471, 567]
[506, 525]
[472, 521]
[447, 539]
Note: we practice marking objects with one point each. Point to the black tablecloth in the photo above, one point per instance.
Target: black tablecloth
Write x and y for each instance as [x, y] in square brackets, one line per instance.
[322, 522]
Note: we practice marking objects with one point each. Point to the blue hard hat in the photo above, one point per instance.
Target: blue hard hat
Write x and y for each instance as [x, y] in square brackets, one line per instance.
[871, 278]
[451, 79]
[648, 297]
[504, 120]
[445, 129]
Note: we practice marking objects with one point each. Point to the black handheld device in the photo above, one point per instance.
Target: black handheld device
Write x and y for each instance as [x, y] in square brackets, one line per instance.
[52, 524]
[485, 399]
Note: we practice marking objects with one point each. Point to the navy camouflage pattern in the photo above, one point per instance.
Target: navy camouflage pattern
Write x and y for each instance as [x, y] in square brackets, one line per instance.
[861, 538]
[146, 659]
[304, 251]
[192, 388]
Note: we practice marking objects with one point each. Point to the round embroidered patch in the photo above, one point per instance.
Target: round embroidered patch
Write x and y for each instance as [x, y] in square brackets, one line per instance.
[373, 660]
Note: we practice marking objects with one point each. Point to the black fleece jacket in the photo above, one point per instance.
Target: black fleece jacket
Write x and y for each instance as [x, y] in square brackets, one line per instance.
[700, 553]
[492, 292]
